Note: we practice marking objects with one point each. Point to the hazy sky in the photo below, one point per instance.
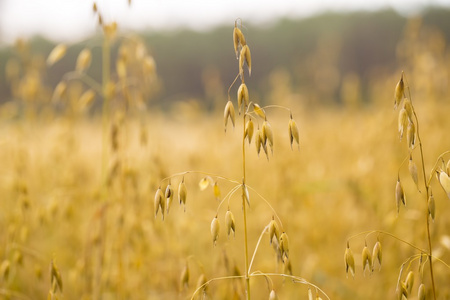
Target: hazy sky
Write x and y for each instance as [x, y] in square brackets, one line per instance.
[73, 19]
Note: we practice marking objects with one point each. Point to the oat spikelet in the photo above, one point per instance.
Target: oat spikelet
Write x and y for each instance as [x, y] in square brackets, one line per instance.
[4, 270]
[215, 227]
[399, 91]
[259, 111]
[267, 134]
[159, 202]
[230, 223]
[349, 261]
[399, 195]
[169, 196]
[245, 52]
[445, 182]
[258, 141]
[86, 99]
[274, 231]
[409, 282]
[377, 254]
[242, 96]
[56, 279]
[284, 246]
[273, 295]
[402, 121]
[56, 54]
[431, 206]
[249, 128]
[238, 40]
[83, 60]
[421, 292]
[413, 171]
[229, 113]
[366, 259]
[407, 105]
[182, 193]
[310, 294]
[184, 278]
[216, 190]
[293, 132]
[411, 135]
[402, 291]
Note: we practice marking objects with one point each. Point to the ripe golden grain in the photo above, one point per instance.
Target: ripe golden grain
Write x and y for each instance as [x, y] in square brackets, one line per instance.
[229, 113]
[230, 222]
[413, 171]
[402, 121]
[349, 261]
[421, 292]
[159, 202]
[169, 197]
[215, 228]
[409, 282]
[284, 245]
[293, 132]
[377, 254]
[399, 91]
[274, 231]
[242, 96]
[411, 135]
[56, 54]
[182, 193]
[248, 133]
[445, 182]
[431, 206]
[366, 259]
[83, 60]
[399, 195]
[273, 295]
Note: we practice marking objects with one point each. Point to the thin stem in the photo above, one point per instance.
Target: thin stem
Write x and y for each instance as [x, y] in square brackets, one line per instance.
[257, 246]
[244, 205]
[427, 188]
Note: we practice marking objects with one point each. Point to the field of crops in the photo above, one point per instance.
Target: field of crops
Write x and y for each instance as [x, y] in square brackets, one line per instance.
[104, 197]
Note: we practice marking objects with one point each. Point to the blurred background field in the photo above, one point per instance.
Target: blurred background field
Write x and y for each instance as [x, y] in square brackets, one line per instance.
[336, 71]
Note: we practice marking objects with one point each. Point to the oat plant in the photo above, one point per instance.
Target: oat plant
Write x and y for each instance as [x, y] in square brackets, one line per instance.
[408, 125]
[256, 129]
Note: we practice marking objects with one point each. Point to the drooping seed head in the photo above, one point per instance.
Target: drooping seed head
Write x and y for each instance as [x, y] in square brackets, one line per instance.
[421, 295]
[83, 60]
[184, 278]
[431, 206]
[402, 121]
[159, 202]
[205, 182]
[229, 113]
[249, 128]
[293, 132]
[287, 266]
[242, 96]
[268, 134]
[273, 295]
[413, 171]
[349, 261]
[284, 245]
[366, 259]
[399, 195]
[56, 278]
[444, 180]
[56, 54]
[274, 231]
[409, 282]
[5, 269]
[86, 99]
[399, 91]
[407, 105]
[258, 141]
[182, 193]
[377, 254]
[169, 196]
[215, 228]
[238, 40]
[259, 111]
[245, 56]
[216, 190]
[201, 283]
[230, 222]
[402, 291]
[411, 135]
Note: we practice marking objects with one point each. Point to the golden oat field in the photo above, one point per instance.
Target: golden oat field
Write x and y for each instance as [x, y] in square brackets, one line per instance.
[107, 193]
